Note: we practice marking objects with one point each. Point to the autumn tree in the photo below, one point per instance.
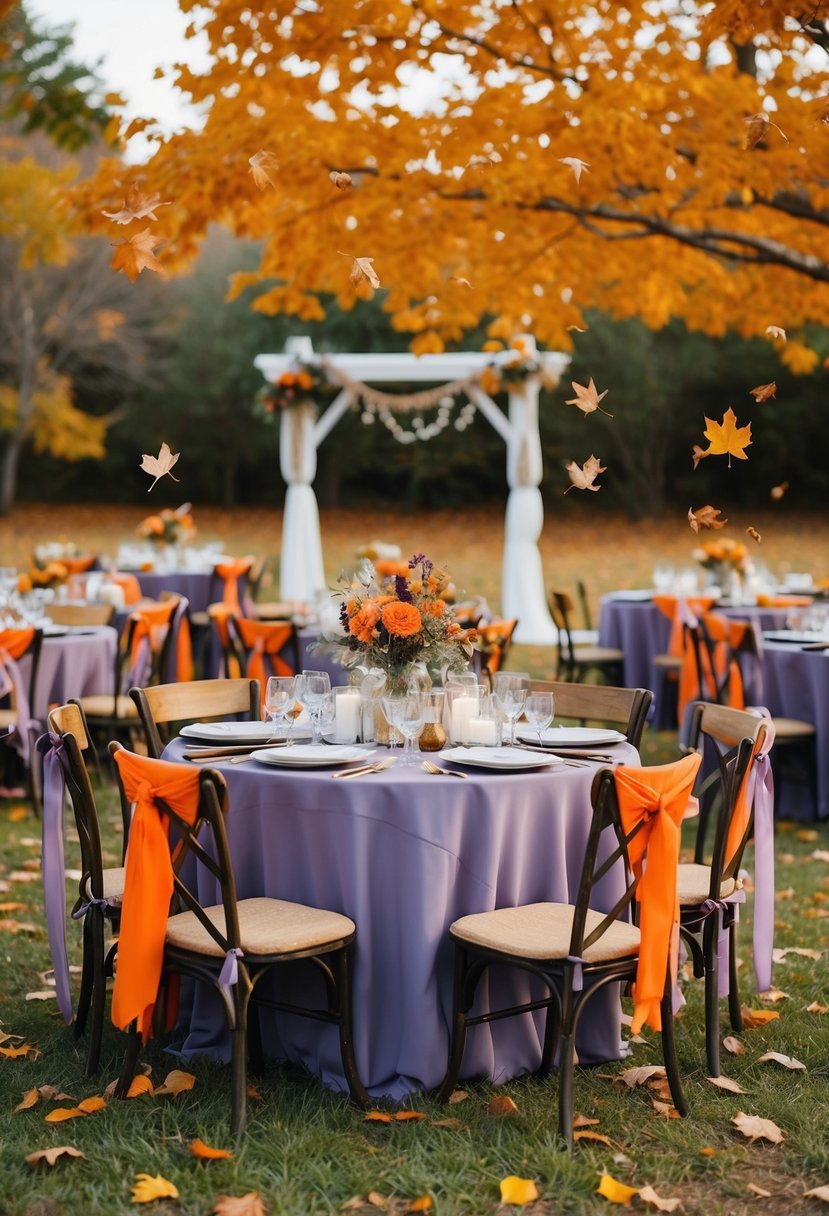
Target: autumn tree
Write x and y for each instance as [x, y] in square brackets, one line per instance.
[521, 162]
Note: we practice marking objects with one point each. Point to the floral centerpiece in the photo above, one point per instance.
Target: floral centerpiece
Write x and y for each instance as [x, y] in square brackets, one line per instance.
[394, 621]
[168, 527]
[48, 575]
[723, 558]
[294, 388]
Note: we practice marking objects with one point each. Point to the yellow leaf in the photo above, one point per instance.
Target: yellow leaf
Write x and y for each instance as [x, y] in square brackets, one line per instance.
[763, 392]
[501, 1106]
[773, 995]
[518, 1191]
[205, 1153]
[176, 1082]
[752, 1018]
[239, 1205]
[89, 1105]
[707, 1152]
[62, 1113]
[816, 1007]
[51, 1155]
[377, 1116]
[726, 438]
[615, 1192]
[13, 1053]
[148, 1188]
[423, 1204]
[408, 1116]
[597, 1137]
[755, 1128]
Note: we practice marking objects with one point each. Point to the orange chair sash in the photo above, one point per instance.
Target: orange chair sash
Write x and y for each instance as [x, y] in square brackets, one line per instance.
[130, 584]
[148, 882]
[151, 625]
[262, 638]
[669, 606]
[658, 798]
[230, 573]
[13, 645]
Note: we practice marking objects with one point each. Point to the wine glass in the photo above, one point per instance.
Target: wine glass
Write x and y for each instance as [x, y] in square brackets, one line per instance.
[407, 713]
[279, 700]
[328, 710]
[313, 688]
[510, 689]
[538, 710]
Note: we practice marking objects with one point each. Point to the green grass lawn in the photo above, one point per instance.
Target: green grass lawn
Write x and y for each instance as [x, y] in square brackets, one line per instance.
[308, 1151]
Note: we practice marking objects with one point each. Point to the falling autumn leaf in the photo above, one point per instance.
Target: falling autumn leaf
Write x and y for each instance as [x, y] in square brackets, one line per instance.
[754, 534]
[239, 1205]
[757, 127]
[362, 271]
[578, 166]
[616, 1192]
[587, 398]
[262, 164]
[136, 254]
[763, 392]
[136, 206]
[774, 331]
[341, 180]
[148, 1188]
[456, 278]
[786, 1061]
[518, 1191]
[501, 1107]
[705, 517]
[176, 1082]
[649, 1196]
[777, 492]
[726, 438]
[698, 454]
[755, 1128]
[158, 466]
[205, 1153]
[583, 477]
[50, 1155]
[726, 1083]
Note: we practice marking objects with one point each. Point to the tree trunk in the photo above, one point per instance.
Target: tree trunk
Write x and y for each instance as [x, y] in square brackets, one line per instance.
[9, 466]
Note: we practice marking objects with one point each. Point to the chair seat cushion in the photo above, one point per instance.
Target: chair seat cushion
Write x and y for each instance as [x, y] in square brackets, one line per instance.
[8, 718]
[113, 885]
[791, 728]
[597, 654]
[101, 705]
[694, 884]
[266, 926]
[672, 662]
[542, 931]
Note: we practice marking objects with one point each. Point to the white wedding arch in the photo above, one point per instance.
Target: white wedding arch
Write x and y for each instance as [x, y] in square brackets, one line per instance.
[302, 577]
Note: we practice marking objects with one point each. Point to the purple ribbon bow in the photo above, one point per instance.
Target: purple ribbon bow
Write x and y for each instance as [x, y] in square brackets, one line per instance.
[51, 750]
[229, 973]
[760, 792]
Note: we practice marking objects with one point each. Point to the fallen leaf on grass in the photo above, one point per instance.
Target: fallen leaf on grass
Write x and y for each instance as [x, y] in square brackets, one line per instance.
[518, 1191]
[816, 1007]
[597, 1137]
[377, 1116]
[457, 1095]
[763, 392]
[786, 1061]
[377, 1200]
[29, 1099]
[158, 466]
[501, 1107]
[758, 1190]
[773, 995]
[582, 477]
[239, 1205]
[705, 517]
[707, 1152]
[779, 956]
[422, 1204]
[754, 534]
[14, 1053]
[408, 1116]
[148, 1188]
[18, 926]
[733, 1046]
[136, 254]
[820, 854]
[752, 1018]
[818, 1192]
[726, 1083]
[583, 1121]
[649, 1196]
[205, 1153]
[615, 1192]
[17, 813]
[50, 1155]
[755, 1128]
[12, 907]
[176, 1082]
[587, 398]
[43, 994]
[665, 1108]
[638, 1076]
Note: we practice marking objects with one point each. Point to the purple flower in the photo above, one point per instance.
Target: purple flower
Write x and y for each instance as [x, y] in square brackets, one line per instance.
[401, 589]
[420, 559]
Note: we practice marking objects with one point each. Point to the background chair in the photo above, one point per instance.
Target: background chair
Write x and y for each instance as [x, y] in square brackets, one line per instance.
[573, 949]
[600, 704]
[494, 640]
[100, 888]
[709, 886]
[264, 933]
[575, 660]
[160, 705]
[81, 614]
[264, 648]
[18, 690]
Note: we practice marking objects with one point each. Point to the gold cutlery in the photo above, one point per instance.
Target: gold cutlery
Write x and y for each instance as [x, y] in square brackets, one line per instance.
[363, 769]
[431, 767]
[238, 749]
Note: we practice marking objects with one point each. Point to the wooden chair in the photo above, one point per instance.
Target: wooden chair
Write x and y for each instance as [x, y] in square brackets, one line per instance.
[100, 888]
[710, 886]
[18, 727]
[264, 648]
[575, 661]
[573, 949]
[600, 704]
[257, 935]
[81, 614]
[160, 705]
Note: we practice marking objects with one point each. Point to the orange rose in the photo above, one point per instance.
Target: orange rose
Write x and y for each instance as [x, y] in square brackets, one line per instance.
[24, 584]
[433, 607]
[287, 379]
[363, 622]
[388, 568]
[403, 620]
[304, 380]
[490, 381]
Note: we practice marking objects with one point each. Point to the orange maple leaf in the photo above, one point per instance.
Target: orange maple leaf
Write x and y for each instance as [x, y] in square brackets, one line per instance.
[726, 438]
[587, 398]
[136, 254]
[136, 206]
[50, 1155]
[757, 127]
[705, 517]
[763, 392]
[582, 477]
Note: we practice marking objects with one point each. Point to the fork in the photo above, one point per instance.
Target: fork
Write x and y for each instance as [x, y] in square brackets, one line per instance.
[379, 767]
[430, 767]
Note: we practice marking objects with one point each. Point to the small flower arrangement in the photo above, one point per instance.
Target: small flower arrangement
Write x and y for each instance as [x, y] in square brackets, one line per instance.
[168, 527]
[718, 553]
[295, 387]
[499, 377]
[50, 574]
[392, 621]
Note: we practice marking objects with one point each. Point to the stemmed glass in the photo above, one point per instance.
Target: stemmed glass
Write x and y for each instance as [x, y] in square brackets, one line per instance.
[313, 688]
[279, 701]
[538, 710]
[407, 712]
[510, 689]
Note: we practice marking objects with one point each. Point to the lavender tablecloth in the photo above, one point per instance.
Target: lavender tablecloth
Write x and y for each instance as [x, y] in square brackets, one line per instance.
[78, 663]
[404, 854]
[199, 587]
[796, 685]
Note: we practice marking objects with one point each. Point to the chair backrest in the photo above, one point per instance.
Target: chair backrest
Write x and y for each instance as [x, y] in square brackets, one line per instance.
[584, 604]
[69, 723]
[81, 614]
[727, 739]
[267, 648]
[18, 643]
[495, 639]
[562, 609]
[152, 626]
[192, 701]
[227, 576]
[626, 708]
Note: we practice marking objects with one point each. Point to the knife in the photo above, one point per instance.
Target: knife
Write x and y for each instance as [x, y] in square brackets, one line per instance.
[239, 749]
[575, 754]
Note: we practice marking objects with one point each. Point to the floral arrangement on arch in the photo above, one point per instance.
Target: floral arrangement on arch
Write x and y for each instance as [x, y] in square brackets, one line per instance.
[168, 527]
[501, 377]
[725, 552]
[391, 621]
[295, 387]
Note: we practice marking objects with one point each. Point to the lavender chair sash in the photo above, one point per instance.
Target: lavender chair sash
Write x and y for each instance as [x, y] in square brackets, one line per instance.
[11, 681]
[50, 747]
[760, 793]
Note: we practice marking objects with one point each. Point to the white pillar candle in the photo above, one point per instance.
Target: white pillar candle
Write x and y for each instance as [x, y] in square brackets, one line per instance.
[463, 710]
[482, 730]
[347, 716]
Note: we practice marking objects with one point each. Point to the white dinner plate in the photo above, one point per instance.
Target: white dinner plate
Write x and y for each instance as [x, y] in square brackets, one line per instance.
[311, 755]
[635, 595]
[498, 757]
[798, 637]
[571, 736]
[243, 732]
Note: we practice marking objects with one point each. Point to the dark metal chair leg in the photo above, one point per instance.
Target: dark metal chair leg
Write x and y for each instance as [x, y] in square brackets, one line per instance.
[735, 1011]
[99, 992]
[238, 1062]
[566, 1065]
[87, 979]
[458, 1032]
[130, 1060]
[356, 1088]
[669, 1049]
[712, 996]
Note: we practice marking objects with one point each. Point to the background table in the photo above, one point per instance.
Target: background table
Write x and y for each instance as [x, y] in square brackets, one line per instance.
[199, 587]
[796, 685]
[77, 663]
[404, 854]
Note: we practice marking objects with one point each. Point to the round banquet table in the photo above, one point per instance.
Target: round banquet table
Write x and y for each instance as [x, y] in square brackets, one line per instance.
[796, 685]
[199, 587]
[404, 854]
[74, 663]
